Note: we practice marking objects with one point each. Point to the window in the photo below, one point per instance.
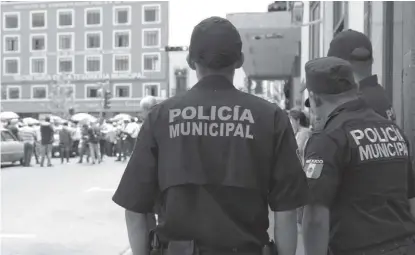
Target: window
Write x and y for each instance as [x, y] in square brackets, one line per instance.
[151, 38]
[11, 66]
[122, 15]
[314, 30]
[13, 92]
[121, 63]
[3, 93]
[93, 17]
[38, 42]
[11, 43]
[92, 91]
[339, 14]
[6, 136]
[181, 80]
[151, 89]
[39, 92]
[151, 62]
[38, 65]
[122, 39]
[93, 40]
[66, 41]
[122, 90]
[11, 21]
[93, 64]
[38, 19]
[151, 14]
[65, 64]
[65, 18]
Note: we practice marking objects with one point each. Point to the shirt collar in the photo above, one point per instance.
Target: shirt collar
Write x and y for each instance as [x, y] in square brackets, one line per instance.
[348, 106]
[369, 81]
[214, 82]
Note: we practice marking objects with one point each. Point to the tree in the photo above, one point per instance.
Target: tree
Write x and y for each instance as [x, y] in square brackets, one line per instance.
[61, 99]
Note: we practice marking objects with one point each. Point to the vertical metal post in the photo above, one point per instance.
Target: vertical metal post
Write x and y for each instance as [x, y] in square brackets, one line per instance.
[388, 40]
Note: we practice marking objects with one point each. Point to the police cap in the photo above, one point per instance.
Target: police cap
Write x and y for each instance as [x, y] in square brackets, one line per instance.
[329, 75]
[215, 43]
[351, 45]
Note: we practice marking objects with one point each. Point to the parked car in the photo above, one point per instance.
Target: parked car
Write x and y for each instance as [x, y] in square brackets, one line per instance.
[12, 150]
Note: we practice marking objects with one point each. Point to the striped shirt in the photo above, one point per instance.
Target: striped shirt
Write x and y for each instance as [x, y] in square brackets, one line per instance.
[27, 134]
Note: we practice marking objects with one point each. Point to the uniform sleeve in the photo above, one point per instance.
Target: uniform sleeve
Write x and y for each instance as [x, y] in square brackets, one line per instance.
[376, 98]
[288, 187]
[138, 188]
[323, 168]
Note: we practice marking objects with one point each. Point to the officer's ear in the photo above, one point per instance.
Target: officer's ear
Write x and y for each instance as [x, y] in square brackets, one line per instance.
[317, 99]
[240, 61]
[190, 62]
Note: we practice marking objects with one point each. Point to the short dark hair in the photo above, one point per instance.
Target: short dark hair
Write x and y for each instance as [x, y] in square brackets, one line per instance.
[47, 119]
[215, 44]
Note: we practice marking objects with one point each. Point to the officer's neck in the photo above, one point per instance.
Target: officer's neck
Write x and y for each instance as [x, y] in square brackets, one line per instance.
[206, 73]
[360, 77]
[329, 107]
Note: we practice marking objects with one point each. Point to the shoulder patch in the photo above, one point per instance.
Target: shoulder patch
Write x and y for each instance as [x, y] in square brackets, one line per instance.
[313, 168]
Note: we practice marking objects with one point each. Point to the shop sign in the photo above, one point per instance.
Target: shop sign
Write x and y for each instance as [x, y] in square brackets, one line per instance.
[79, 77]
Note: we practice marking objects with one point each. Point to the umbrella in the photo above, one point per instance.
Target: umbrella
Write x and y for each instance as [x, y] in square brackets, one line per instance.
[121, 117]
[30, 121]
[83, 117]
[8, 116]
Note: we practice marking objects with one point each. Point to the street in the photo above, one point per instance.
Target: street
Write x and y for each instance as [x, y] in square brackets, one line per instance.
[65, 209]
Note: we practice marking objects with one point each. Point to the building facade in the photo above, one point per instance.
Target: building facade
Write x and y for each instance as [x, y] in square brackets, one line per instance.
[61, 55]
[390, 26]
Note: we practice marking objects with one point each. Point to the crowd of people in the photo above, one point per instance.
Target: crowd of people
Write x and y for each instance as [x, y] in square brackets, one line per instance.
[90, 141]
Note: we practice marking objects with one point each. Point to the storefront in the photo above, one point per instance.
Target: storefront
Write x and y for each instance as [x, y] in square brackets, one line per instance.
[30, 96]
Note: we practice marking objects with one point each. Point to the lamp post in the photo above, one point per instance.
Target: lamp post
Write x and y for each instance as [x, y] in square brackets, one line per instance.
[101, 93]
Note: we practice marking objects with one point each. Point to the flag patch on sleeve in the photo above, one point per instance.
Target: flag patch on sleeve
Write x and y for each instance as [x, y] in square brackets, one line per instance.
[313, 168]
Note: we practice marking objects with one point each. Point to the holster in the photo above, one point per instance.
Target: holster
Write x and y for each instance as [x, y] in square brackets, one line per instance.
[270, 249]
[156, 247]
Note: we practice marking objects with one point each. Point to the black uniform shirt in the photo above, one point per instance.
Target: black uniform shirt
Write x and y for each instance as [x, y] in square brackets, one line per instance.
[375, 96]
[219, 157]
[358, 166]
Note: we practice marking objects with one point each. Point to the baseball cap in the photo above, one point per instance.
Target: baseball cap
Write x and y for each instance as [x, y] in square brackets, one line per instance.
[329, 75]
[215, 43]
[351, 45]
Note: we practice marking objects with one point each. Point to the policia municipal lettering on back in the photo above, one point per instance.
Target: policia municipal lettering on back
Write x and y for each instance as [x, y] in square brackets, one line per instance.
[358, 166]
[214, 158]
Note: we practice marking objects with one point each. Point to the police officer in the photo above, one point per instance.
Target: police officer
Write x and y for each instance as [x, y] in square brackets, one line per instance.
[358, 167]
[356, 48]
[215, 158]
